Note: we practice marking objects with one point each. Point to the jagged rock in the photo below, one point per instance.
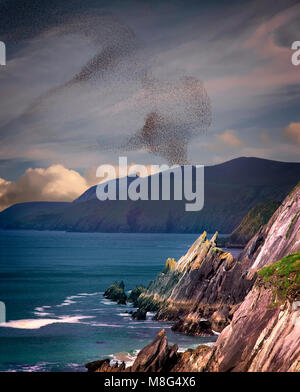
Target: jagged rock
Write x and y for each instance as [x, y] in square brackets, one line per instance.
[116, 293]
[220, 318]
[264, 333]
[195, 287]
[105, 367]
[139, 315]
[156, 356]
[95, 365]
[193, 326]
[208, 279]
[193, 360]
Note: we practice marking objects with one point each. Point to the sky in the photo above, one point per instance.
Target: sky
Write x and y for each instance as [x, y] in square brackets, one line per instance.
[84, 82]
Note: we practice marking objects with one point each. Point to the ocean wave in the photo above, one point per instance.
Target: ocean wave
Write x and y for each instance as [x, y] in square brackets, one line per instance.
[40, 311]
[38, 323]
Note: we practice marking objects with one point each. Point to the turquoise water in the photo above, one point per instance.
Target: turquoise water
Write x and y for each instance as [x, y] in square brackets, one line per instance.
[52, 284]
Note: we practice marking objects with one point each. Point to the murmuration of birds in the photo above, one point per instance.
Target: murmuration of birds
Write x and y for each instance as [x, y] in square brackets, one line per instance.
[174, 111]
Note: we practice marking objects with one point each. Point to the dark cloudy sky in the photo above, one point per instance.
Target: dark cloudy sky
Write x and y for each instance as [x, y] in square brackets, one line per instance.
[74, 85]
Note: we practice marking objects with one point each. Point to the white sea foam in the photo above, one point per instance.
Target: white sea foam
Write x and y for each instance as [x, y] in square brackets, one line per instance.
[40, 309]
[88, 294]
[124, 356]
[96, 324]
[68, 301]
[106, 302]
[42, 314]
[38, 323]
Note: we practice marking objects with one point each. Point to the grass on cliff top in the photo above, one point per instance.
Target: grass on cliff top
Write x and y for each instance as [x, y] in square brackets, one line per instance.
[284, 276]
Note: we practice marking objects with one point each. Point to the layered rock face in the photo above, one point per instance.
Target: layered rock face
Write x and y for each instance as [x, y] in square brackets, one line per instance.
[261, 336]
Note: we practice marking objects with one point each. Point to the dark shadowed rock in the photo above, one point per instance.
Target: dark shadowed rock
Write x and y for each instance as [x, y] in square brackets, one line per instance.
[95, 365]
[139, 315]
[157, 356]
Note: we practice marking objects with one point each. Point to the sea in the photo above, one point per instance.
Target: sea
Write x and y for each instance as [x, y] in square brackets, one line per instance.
[52, 285]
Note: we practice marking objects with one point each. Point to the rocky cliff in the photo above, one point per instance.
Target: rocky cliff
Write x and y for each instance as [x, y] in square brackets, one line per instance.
[264, 334]
[254, 301]
[201, 291]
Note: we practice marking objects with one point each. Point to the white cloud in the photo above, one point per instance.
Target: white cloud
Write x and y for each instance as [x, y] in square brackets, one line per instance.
[292, 132]
[55, 183]
[229, 138]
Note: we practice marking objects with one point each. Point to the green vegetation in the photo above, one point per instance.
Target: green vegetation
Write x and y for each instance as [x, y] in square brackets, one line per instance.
[291, 226]
[135, 293]
[251, 223]
[284, 277]
[256, 217]
[116, 293]
[294, 189]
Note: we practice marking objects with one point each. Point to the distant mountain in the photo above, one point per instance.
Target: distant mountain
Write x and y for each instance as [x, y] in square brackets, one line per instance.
[231, 190]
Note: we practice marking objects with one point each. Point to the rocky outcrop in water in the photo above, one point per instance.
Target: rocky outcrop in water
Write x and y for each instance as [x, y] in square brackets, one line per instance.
[116, 292]
[139, 315]
[264, 334]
